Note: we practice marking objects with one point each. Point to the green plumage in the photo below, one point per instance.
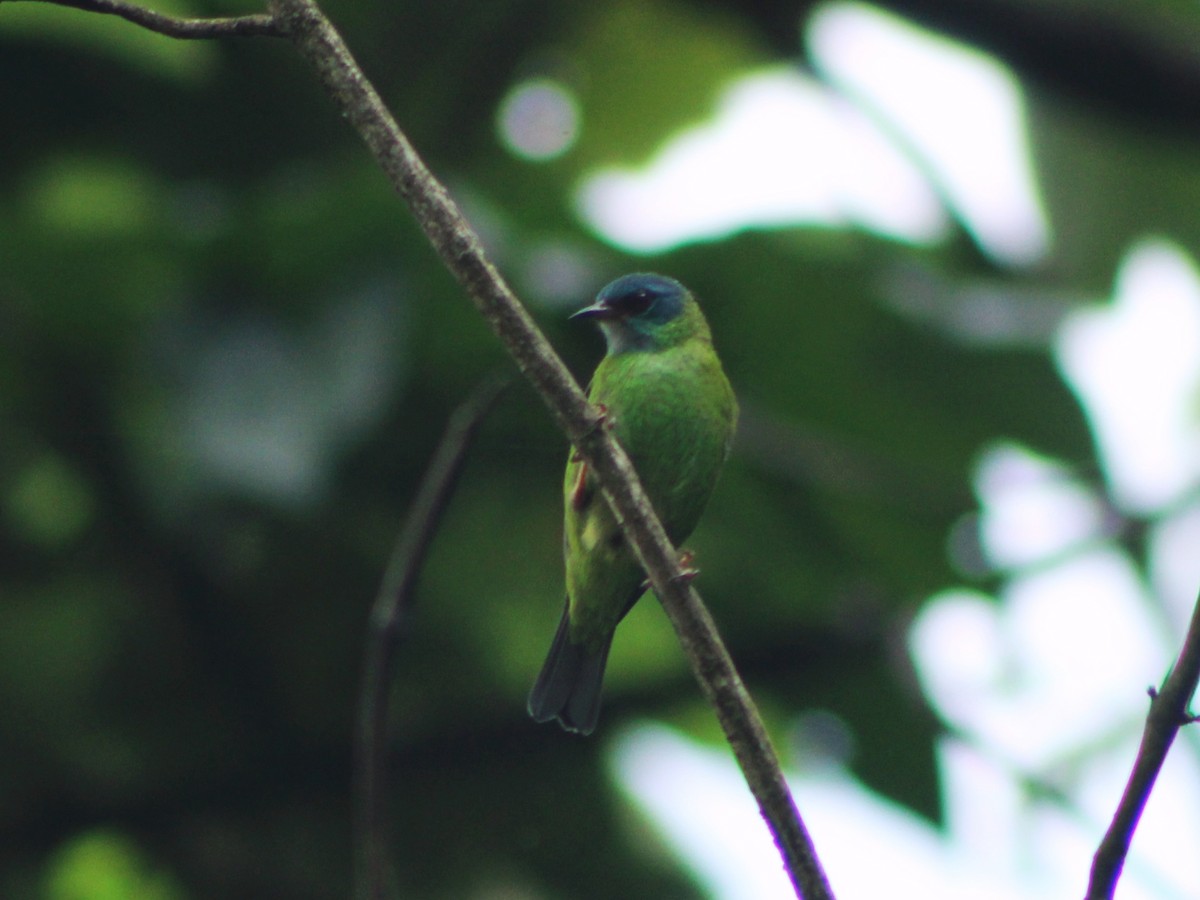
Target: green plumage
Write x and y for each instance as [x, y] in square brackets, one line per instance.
[671, 407]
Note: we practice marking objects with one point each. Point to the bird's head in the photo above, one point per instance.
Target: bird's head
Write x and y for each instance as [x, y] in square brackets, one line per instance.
[644, 311]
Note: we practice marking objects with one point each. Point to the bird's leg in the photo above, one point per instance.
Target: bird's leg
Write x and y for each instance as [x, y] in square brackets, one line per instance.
[580, 494]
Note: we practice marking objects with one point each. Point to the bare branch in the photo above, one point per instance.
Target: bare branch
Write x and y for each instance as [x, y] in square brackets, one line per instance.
[1168, 713]
[171, 26]
[462, 253]
[388, 625]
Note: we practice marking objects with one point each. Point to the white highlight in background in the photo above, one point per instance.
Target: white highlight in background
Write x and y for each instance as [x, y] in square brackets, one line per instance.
[780, 150]
[1048, 669]
[1033, 509]
[721, 834]
[960, 112]
[1136, 367]
[784, 150]
[538, 119]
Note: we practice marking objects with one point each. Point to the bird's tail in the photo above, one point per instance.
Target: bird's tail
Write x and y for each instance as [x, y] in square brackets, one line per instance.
[568, 688]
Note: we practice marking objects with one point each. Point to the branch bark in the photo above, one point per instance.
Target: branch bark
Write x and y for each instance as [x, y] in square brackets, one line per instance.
[1168, 713]
[461, 251]
[173, 26]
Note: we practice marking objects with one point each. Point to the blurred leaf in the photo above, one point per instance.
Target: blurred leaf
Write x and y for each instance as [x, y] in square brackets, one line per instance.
[106, 865]
[49, 504]
[645, 69]
[1150, 183]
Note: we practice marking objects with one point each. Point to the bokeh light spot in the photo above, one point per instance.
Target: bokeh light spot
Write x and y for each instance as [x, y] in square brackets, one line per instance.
[538, 120]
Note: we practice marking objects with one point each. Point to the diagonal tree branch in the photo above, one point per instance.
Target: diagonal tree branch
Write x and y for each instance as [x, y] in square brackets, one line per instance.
[172, 26]
[460, 249]
[1168, 713]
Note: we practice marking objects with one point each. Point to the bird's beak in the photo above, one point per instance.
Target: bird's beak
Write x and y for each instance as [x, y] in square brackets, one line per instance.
[599, 311]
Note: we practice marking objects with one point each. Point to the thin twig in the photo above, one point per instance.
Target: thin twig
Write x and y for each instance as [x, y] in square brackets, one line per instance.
[463, 255]
[1168, 713]
[172, 26]
[388, 626]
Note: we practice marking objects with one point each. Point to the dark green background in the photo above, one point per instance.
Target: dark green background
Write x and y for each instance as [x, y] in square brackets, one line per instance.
[196, 254]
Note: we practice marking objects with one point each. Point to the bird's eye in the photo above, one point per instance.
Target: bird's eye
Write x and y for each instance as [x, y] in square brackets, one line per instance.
[635, 302]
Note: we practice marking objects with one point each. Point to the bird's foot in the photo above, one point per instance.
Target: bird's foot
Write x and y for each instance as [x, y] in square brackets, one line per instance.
[688, 571]
[607, 420]
[686, 574]
[603, 420]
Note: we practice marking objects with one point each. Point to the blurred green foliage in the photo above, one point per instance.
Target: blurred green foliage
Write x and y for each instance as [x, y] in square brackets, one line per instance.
[226, 354]
[104, 865]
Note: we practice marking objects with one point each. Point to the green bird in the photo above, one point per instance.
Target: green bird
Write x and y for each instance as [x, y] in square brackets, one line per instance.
[670, 405]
